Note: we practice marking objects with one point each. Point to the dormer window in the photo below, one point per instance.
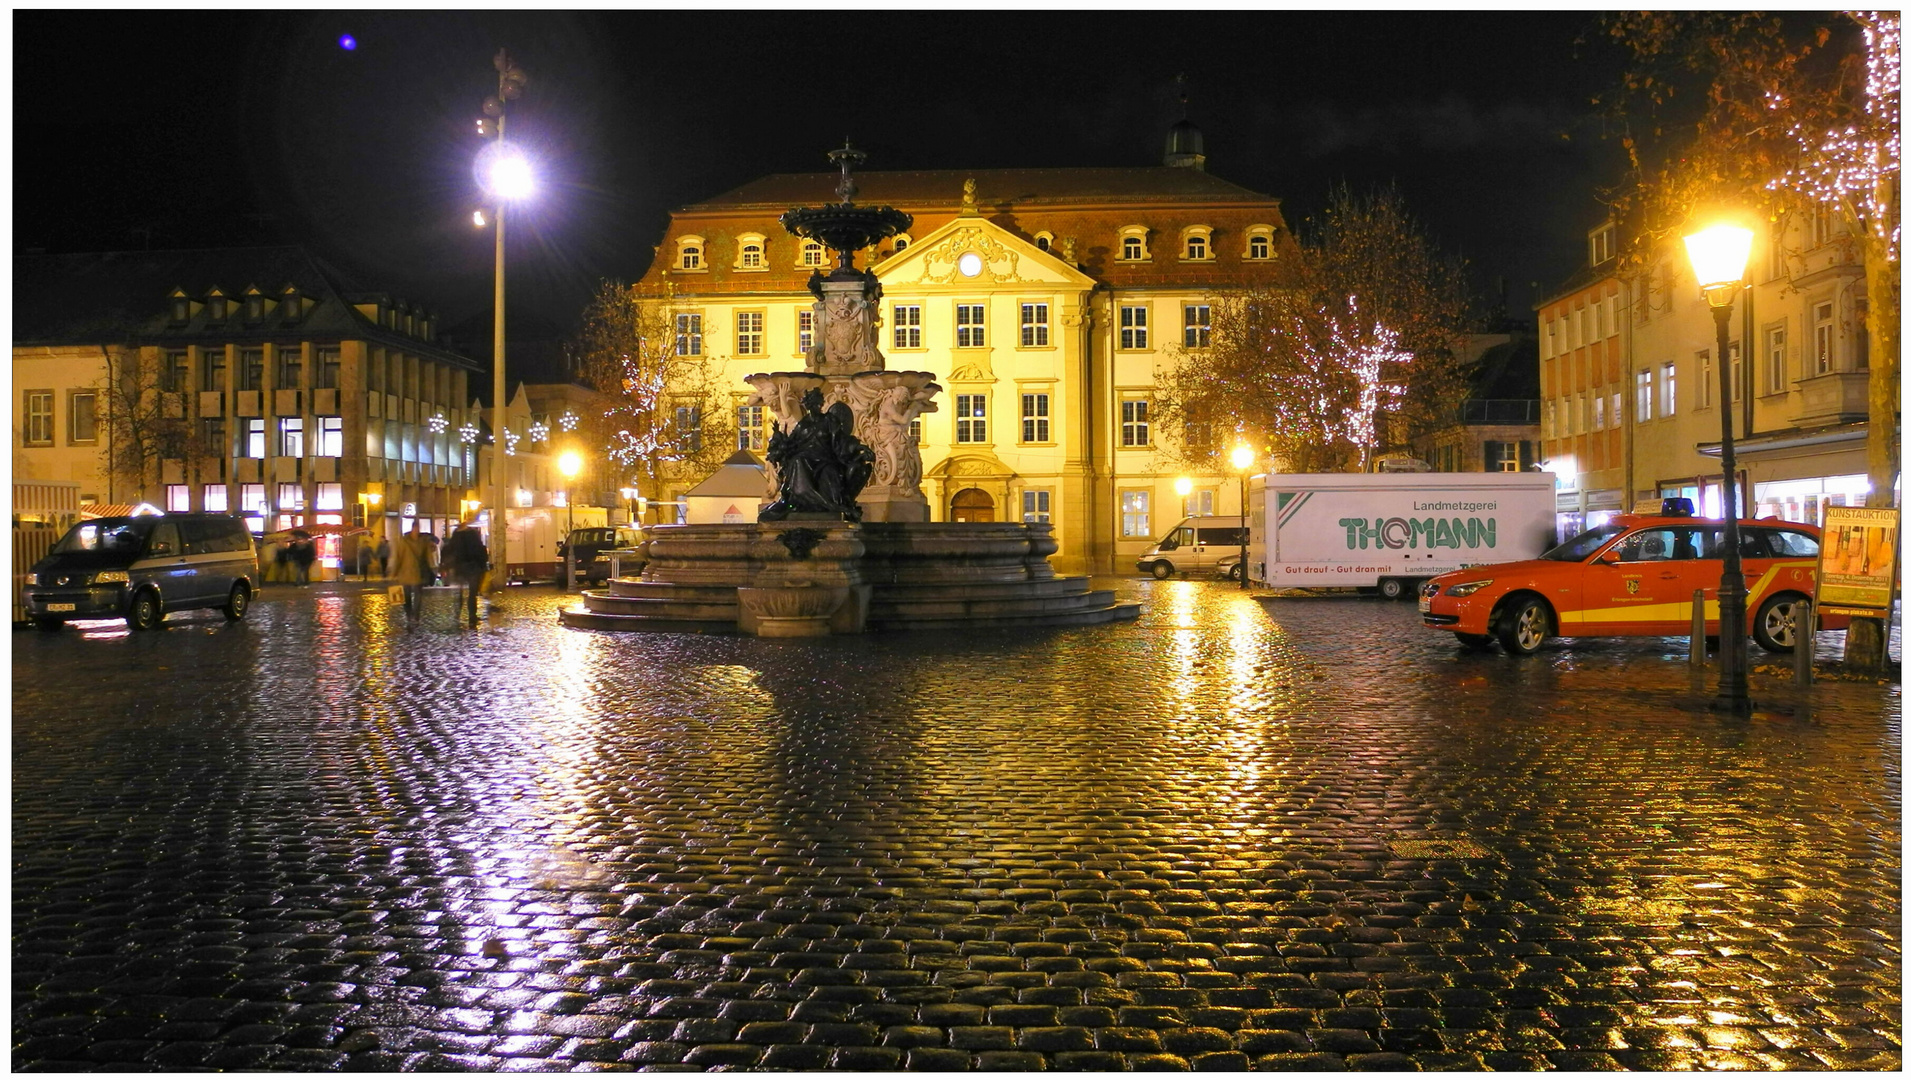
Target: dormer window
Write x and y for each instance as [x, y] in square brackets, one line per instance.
[182, 309]
[1260, 243]
[291, 307]
[1134, 243]
[902, 241]
[1599, 244]
[216, 308]
[812, 254]
[1044, 240]
[690, 253]
[255, 308]
[750, 249]
[1195, 243]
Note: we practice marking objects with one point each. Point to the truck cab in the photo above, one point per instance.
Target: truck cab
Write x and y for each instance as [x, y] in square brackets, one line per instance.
[1197, 545]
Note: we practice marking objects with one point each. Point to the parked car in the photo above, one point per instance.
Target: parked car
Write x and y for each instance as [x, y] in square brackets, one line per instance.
[1198, 545]
[1633, 577]
[593, 547]
[139, 568]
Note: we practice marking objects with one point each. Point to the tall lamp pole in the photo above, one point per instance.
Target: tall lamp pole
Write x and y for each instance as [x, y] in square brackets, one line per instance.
[1243, 459]
[1718, 257]
[507, 177]
[570, 464]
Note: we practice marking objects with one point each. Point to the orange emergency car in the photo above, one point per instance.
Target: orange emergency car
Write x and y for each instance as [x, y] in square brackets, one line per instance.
[1633, 577]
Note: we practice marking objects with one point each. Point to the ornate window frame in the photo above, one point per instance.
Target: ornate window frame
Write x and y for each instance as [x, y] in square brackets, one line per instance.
[693, 255]
[1137, 235]
[753, 254]
[1197, 243]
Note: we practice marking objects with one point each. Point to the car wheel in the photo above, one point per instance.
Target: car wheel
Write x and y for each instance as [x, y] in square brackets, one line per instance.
[1393, 588]
[1523, 626]
[1776, 628]
[1237, 572]
[1163, 570]
[51, 626]
[146, 611]
[1475, 641]
[237, 603]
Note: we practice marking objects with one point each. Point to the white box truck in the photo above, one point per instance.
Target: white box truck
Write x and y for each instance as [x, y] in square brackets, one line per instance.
[1391, 531]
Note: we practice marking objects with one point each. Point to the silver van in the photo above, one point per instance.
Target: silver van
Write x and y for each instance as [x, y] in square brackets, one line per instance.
[1199, 545]
[140, 568]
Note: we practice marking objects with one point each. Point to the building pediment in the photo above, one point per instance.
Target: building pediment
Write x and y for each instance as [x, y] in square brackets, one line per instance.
[970, 465]
[974, 252]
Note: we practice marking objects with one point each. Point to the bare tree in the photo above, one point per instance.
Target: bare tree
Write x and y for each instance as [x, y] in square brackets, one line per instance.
[1351, 350]
[144, 428]
[668, 420]
[1780, 115]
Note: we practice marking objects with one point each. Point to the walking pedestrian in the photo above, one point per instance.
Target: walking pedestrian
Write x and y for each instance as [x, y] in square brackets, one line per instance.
[382, 554]
[465, 561]
[414, 567]
[304, 554]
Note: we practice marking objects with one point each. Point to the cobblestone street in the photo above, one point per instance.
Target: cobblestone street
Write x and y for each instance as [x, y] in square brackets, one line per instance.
[1295, 834]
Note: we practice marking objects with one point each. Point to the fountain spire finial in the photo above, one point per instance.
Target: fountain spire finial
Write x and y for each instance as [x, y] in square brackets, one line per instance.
[847, 158]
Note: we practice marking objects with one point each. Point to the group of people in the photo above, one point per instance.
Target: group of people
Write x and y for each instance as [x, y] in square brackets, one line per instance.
[290, 561]
[417, 562]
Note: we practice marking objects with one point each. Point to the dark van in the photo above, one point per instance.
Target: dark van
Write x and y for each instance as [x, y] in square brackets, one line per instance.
[140, 568]
[593, 547]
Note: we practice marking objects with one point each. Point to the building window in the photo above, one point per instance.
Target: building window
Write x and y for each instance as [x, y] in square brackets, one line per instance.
[216, 309]
[1616, 409]
[750, 253]
[1775, 359]
[972, 418]
[291, 360]
[749, 333]
[915, 431]
[1599, 412]
[1134, 422]
[1821, 225]
[1705, 379]
[901, 241]
[331, 436]
[1735, 373]
[1194, 245]
[1260, 245]
[82, 417]
[327, 368]
[750, 431]
[212, 498]
[805, 330]
[178, 499]
[1044, 240]
[1194, 326]
[1134, 515]
[1599, 244]
[1134, 244]
[969, 326]
[255, 309]
[1668, 388]
[330, 497]
[1134, 327]
[908, 324]
[291, 497]
[212, 368]
[1035, 507]
[39, 417]
[1642, 395]
[688, 423]
[182, 309]
[173, 370]
[292, 437]
[1035, 418]
[1198, 504]
[690, 257]
[1034, 325]
[690, 334]
[813, 254]
[255, 437]
[251, 369]
[252, 498]
[1502, 456]
[1821, 342]
[212, 435]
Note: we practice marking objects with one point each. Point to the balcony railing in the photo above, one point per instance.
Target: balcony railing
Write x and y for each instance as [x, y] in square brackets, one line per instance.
[1498, 411]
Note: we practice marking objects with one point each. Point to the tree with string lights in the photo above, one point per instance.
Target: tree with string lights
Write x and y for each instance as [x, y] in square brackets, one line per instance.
[1786, 114]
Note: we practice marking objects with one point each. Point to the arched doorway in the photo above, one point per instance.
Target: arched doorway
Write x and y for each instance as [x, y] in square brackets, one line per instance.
[972, 504]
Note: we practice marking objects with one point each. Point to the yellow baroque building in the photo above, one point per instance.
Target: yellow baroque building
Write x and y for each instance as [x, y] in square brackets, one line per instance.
[1083, 287]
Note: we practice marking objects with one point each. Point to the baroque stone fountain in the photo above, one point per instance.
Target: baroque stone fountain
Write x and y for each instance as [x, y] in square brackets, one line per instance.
[844, 541]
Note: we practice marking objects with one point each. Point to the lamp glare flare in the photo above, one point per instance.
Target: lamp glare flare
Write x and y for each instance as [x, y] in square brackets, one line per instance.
[507, 173]
[1851, 166]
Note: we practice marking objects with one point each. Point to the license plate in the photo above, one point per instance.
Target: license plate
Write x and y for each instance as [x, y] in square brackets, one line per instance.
[1426, 604]
[62, 607]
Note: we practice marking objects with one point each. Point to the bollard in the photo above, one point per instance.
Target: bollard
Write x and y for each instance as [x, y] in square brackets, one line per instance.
[1804, 641]
[1698, 628]
[614, 567]
[570, 568]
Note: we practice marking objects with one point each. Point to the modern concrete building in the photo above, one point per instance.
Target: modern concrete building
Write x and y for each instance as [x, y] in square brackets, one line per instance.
[1047, 303]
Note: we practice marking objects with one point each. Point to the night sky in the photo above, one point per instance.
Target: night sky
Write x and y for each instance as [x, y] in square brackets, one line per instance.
[207, 128]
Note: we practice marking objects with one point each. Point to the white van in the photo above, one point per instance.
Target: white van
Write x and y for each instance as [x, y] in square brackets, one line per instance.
[1199, 545]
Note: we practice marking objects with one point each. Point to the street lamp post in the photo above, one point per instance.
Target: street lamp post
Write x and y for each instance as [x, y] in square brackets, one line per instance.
[1243, 458]
[570, 464]
[508, 177]
[1718, 257]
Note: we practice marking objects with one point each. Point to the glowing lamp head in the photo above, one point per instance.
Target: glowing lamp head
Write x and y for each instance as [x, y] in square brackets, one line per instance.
[570, 464]
[1718, 257]
[506, 173]
[1182, 486]
[477, 218]
[1242, 457]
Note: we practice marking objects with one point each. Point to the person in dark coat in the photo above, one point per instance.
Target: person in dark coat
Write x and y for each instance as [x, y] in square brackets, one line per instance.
[464, 561]
[382, 553]
[304, 554]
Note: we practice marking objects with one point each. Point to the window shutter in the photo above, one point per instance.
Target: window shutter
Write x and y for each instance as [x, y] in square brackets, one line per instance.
[1492, 456]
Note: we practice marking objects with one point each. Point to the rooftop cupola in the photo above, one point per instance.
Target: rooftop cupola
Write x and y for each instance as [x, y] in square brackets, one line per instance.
[1185, 150]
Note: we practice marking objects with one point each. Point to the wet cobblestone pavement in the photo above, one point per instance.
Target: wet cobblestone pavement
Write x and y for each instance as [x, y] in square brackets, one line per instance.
[1300, 835]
